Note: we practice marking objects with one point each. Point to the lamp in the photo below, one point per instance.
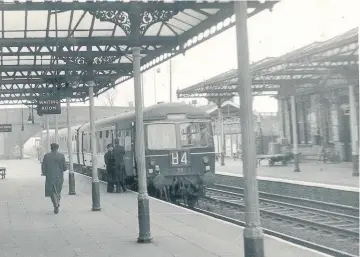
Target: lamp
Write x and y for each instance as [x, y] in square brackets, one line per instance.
[31, 115]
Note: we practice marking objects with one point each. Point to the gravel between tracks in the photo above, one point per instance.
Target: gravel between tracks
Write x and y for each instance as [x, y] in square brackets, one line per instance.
[325, 238]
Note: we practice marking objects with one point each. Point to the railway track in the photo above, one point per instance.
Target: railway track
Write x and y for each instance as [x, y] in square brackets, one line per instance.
[343, 209]
[323, 229]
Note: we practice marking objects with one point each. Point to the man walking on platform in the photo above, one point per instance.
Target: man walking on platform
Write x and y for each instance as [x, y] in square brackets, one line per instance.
[110, 168]
[53, 166]
[119, 152]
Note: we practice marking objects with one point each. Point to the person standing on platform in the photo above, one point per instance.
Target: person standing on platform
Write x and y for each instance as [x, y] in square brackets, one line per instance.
[53, 166]
[110, 168]
[119, 152]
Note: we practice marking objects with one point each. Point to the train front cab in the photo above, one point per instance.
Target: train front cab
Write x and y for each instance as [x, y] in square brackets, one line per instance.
[179, 152]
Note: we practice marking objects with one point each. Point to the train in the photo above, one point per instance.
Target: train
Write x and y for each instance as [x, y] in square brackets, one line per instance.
[179, 149]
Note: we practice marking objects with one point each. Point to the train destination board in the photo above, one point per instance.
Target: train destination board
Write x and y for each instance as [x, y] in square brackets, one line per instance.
[5, 128]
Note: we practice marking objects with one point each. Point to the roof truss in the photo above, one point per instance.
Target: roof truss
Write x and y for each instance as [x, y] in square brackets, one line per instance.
[47, 45]
[315, 68]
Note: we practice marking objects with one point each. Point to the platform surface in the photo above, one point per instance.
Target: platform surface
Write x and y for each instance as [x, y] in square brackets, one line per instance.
[325, 173]
[29, 227]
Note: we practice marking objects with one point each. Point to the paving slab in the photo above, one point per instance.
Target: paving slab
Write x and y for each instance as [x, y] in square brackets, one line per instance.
[30, 228]
[339, 174]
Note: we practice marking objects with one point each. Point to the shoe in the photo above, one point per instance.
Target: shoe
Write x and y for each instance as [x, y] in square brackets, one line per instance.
[56, 209]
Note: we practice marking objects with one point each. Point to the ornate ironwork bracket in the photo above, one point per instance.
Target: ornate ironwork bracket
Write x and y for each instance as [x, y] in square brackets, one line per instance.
[96, 60]
[124, 19]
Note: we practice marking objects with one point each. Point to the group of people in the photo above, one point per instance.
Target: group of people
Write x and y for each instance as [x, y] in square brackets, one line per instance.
[53, 166]
[115, 167]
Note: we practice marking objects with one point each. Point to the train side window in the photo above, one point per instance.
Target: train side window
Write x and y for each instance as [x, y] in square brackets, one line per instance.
[107, 133]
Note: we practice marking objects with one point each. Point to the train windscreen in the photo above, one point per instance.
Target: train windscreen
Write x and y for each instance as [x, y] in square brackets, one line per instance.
[161, 136]
[195, 134]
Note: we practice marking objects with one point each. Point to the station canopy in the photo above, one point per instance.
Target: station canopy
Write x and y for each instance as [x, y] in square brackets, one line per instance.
[56, 47]
[317, 67]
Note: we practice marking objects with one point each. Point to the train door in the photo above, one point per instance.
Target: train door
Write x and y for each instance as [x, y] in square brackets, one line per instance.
[77, 138]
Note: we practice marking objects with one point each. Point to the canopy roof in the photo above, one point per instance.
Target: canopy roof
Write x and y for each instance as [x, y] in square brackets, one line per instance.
[49, 47]
[316, 67]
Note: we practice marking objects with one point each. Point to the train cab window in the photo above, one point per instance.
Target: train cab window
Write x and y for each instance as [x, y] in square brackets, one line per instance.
[194, 134]
[100, 134]
[167, 140]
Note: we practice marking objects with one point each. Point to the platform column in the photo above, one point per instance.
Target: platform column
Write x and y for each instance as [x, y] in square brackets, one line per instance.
[41, 141]
[253, 233]
[95, 177]
[70, 150]
[354, 131]
[294, 134]
[287, 121]
[56, 129]
[281, 116]
[222, 136]
[47, 146]
[143, 197]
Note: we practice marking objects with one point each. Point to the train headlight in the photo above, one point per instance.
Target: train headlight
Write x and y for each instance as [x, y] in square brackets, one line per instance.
[152, 163]
[205, 159]
[157, 169]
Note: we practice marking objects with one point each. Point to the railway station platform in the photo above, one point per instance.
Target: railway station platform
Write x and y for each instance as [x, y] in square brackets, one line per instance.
[338, 174]
[30, 228]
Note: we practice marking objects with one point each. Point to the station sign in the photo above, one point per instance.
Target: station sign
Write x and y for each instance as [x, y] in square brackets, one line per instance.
[5, 128]
[49, 106]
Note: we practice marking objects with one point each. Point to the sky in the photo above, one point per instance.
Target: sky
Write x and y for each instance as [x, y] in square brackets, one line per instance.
[291, 25]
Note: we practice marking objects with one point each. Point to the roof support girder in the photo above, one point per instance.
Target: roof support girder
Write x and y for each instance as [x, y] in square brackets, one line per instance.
[31, 80]
[109, 6]
[85, 41]
[125, 67]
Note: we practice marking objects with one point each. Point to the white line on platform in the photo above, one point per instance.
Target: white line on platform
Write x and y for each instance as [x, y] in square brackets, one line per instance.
[297, 182]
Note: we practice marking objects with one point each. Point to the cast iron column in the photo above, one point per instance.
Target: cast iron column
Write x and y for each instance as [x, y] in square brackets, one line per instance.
[143, 198]
[253, 233]
[70, 150]
[294, 134]
[47, 147]
[222, 137]
[281, 117]
[41, 141]
[354, 131]
[95, 178]
[56, 129]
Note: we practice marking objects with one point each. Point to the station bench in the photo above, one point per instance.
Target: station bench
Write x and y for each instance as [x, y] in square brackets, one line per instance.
[2, 172]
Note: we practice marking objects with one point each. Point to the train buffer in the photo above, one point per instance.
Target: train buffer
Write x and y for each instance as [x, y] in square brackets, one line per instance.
[77, 231]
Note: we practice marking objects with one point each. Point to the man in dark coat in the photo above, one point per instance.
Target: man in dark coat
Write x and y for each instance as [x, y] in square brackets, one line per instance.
[110, 168]
[53, 167]
[119, 152]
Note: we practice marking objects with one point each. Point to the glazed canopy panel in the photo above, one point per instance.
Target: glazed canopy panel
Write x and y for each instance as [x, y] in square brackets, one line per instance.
[56, 47]
[316, 67]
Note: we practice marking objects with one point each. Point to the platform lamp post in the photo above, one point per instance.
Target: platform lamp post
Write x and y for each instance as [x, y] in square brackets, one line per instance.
[253, 232]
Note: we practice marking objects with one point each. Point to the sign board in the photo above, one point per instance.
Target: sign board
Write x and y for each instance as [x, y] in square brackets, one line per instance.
[5, 128]
[49, 106]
